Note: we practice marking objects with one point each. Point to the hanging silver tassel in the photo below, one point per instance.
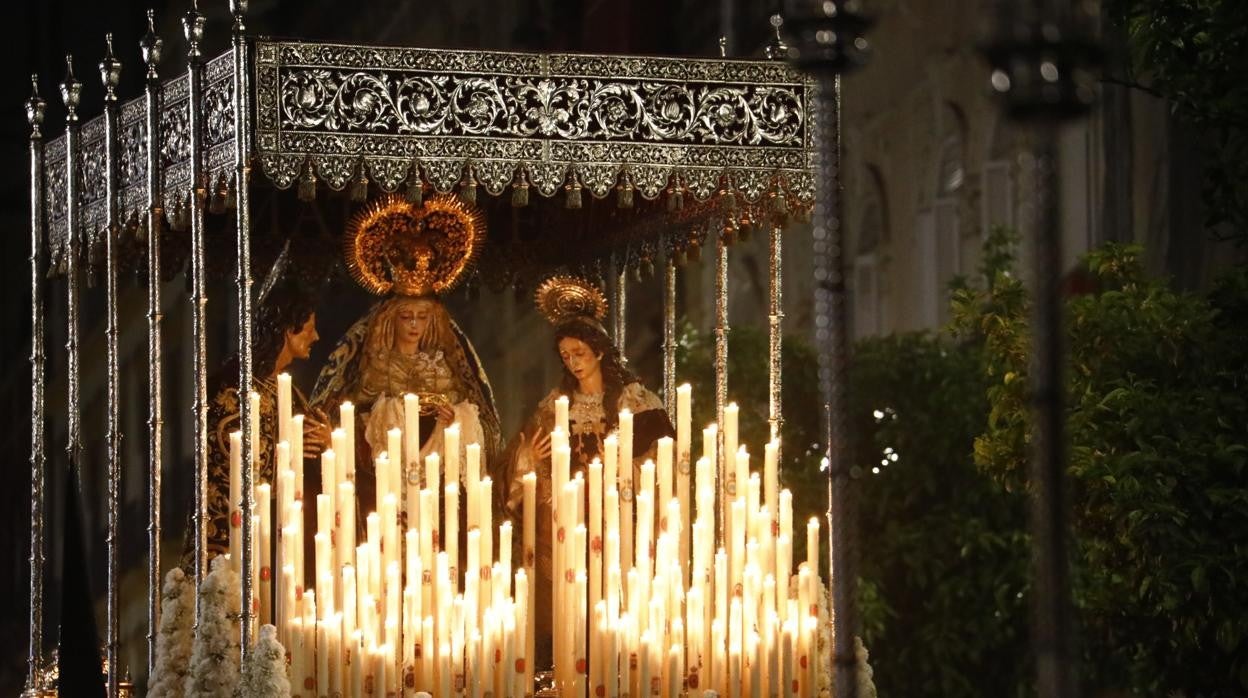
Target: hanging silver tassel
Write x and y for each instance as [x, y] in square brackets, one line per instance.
[572, 194]
[359, 185]
[624, 192]
[520, 191]
[414, 189]
[307, 183]
[468, 190]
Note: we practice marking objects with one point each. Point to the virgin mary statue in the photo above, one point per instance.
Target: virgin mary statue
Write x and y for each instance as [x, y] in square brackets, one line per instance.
[408, 343]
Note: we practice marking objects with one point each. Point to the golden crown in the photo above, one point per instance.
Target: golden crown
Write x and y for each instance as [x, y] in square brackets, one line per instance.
[394, 246]
[564, 297]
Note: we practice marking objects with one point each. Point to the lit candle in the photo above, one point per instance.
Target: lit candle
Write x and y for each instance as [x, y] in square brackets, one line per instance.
[450, 536]
[812, 547]
[295, 523]
[347, 414]
[524, 622]
[253, 399]
[349, 602]
[472, 478]
[771, 477]
[283, 408]
[236, 495]
[433, 484]
[263, 497]
[451, 453]
[561, 413]
[504, 557]
[295, 454]
[610, 458]
[390, 552]
[787, 679]
[322, 659]
[595, 543]
[344, 524]
[298, 657]
[428, 654]
[664, 471]
[411, 429]
[394, 448]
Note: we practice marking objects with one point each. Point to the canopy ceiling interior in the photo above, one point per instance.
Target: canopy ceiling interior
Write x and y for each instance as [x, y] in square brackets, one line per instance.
[572, 158]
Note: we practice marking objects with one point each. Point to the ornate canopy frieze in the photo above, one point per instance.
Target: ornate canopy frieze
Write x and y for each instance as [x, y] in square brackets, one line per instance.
[694, 129]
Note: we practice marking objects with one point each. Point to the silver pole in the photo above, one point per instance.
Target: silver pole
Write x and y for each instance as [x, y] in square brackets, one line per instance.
[151, 47]
[242, 178]
[727, 483]
[110, 75]
[35, 107]
[775, 318]
[193, 28]
[619, 305]
[71, 92]
[669, 333]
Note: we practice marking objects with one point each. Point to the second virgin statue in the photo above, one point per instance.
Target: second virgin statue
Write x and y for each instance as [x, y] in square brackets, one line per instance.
[408, 343]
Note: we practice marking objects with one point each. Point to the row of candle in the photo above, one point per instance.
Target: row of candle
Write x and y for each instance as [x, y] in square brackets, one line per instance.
[650, 617]
[657, 608]
[394, 614]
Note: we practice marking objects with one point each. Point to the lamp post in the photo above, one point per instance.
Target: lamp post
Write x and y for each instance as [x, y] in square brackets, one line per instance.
[828, 41]
[1042, 56]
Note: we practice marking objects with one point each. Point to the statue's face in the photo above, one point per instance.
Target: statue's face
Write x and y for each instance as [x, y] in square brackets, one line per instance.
[300, 341]
[412, 321]
[579, 358]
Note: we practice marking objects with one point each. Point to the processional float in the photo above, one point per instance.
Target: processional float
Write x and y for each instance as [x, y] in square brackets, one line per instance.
[624, 161]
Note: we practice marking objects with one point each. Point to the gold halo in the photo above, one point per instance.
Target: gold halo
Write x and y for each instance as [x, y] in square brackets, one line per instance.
[394, 246]
[563, 297]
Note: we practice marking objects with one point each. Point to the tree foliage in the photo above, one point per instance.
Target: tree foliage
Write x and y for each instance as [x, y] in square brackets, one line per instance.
[1194, 53]
[1158, 454]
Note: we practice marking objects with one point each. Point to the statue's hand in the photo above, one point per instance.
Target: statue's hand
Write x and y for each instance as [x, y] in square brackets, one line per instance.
[540, 443]
[446, 415]
[315, 438]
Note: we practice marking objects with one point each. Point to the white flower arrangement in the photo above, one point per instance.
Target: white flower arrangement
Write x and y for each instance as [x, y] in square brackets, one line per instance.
[264, 675]
[865, 674]
[173, 643]
[215, 657]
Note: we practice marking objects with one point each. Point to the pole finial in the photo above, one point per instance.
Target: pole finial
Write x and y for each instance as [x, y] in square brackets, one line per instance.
[723, 47]
[193, 29]
[110, 70]
[776, 49]
[71, 89]
[151, 46]
[35, 106]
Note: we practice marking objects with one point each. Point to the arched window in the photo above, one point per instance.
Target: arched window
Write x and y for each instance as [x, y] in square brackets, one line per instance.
[872, 232]
[998, 197]
[941, 241]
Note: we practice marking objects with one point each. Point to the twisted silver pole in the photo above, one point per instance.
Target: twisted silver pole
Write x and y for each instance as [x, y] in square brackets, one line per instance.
[619, 305]
[35, 108]
[152, 47]
[669, 333]
[242, 219]
[775, 319]
[71, 92]
[193, 28]
[724, 464]
[110, 75]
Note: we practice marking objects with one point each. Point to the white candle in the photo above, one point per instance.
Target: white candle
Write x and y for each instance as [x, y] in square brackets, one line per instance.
[263, 498]
[283, 408]
[254, 400]
[561, 413]
[812, 547]
[295, 455]
[344, 524]
[771, 477]
[349, 601]
[451, 453]
[663, 470]
[529, 547]
[595, 542]
[347, 414]
[411, 429]
[433, 484]
[472, 478]
[236, 495]
[450, 536]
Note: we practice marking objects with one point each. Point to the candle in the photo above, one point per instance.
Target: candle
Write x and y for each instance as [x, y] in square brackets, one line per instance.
[525, 620]
[322, 659]
[451, 453]
[236, 494]
[529, 547]
[411, 430]
[787, 679]
[433, 484]
[595, 544]
[283, 409]
[428, 654]
[344, 524]
[347, 414]
[771, 477]
[350, 603]
[389, 523]
[295, 455]
[295, 548]
[298, 654]
[561, 413]
[394, 450]
[812, 547]
[450, 536]
[504, 557]
[253, 399]
[664, 472]
[472, 478]
[263, 497]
